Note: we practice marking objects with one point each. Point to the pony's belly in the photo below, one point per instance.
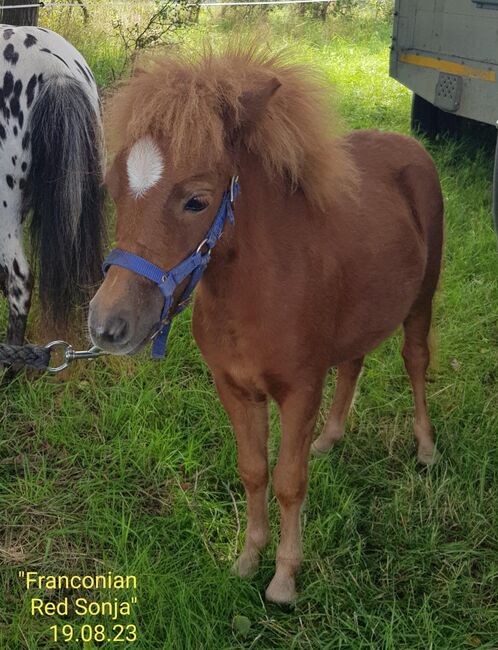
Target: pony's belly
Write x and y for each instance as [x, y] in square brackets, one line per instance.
[349, 349]
[366, 322]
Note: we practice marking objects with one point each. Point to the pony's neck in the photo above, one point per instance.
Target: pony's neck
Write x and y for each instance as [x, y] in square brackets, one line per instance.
[271, 225]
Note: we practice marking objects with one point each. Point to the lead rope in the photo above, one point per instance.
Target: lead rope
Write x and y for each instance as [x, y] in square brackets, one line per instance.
[39, 357]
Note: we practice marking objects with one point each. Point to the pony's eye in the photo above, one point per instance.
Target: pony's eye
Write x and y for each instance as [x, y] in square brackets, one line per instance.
[196, 204]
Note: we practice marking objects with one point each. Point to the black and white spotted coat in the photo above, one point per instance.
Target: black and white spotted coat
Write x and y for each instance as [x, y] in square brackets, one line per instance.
[29, 58]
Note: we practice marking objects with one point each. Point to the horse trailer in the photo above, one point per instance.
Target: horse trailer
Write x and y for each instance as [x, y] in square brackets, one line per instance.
[446, 52]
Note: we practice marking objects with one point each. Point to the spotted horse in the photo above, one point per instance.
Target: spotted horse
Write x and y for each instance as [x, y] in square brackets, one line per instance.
[51, 161]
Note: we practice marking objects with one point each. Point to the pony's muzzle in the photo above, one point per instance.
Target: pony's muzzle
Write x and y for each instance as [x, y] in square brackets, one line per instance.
[113, 334]
[124, 312]
[115, 331]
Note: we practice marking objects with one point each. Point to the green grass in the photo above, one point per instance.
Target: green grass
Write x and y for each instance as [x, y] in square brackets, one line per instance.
[130, 465]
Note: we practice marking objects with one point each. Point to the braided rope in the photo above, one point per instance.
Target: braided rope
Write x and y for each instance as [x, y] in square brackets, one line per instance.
[32, 356]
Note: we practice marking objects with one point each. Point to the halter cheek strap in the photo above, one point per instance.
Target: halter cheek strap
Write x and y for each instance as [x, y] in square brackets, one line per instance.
[168, 281]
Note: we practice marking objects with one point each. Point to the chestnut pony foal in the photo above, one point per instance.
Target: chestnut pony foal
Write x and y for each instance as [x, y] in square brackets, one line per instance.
[336, 242]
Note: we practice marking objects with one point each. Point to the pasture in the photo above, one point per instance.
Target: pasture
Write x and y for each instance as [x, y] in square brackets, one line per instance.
[130, 465]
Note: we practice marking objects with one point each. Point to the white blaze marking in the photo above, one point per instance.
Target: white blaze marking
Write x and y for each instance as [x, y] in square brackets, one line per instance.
[145, 166]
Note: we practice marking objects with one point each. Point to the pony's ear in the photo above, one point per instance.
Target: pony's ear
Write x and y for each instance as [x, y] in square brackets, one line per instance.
[252, 105]
[254, 102]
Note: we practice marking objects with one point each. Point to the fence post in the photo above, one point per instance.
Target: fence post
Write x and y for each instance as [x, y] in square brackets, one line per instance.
[26, 16]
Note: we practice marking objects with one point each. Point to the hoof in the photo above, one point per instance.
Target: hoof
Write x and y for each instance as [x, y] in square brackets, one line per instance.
[428, 456]
[245, 565]
[317, 452]
[281, 590]
[321, 449]
[325, 441]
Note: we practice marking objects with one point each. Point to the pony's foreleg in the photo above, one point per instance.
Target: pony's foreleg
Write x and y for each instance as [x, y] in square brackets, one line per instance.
[249, 417]
[17, 286]
[347, 378]
[290, 477]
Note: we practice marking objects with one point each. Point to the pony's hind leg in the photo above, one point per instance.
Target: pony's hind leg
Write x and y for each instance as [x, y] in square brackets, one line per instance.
[249, 416]
[347, 378]
[416, 356]
[17, 281]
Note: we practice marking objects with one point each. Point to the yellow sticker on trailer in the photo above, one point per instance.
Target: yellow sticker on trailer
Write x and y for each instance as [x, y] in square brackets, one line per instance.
[448, 66]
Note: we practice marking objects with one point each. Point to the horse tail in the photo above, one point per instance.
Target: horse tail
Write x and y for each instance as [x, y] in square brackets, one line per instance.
[65, 194]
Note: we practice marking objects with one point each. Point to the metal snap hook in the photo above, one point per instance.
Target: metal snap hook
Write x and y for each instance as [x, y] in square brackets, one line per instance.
[70, 354]
[65, 348]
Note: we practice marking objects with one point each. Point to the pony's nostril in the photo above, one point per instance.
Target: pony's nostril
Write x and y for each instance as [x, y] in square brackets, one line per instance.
[116, 330]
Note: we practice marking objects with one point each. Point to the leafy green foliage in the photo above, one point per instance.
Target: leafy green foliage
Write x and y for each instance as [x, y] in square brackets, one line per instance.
[166, 18]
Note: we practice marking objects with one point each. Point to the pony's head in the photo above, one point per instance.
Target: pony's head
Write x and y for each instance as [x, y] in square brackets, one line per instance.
[178, 130]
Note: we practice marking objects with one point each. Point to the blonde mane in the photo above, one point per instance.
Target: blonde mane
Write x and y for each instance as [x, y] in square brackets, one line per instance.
[191, 98]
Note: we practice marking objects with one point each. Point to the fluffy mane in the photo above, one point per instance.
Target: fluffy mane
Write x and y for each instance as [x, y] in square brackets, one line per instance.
[192, 98]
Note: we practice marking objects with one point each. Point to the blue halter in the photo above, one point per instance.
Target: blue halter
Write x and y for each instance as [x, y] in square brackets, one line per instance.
[194, 266]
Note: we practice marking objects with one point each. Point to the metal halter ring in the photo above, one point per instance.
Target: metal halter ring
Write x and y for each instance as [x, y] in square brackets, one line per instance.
[203, 243]
[233, 183]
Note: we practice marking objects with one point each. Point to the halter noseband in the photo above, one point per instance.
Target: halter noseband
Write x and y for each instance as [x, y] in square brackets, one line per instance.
[168, 281]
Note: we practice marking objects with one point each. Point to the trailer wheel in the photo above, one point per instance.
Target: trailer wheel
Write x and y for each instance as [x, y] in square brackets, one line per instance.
[424, 117]
[449, 123]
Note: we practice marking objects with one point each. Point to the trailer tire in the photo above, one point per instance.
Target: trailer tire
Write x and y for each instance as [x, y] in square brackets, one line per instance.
[424, 117]
[449, 123]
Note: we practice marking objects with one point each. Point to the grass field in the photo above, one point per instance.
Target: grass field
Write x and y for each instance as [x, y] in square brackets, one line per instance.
[130, 466]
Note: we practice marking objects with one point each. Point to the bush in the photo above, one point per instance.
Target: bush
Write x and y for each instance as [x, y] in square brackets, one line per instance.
[381, 8]
[167, 18]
